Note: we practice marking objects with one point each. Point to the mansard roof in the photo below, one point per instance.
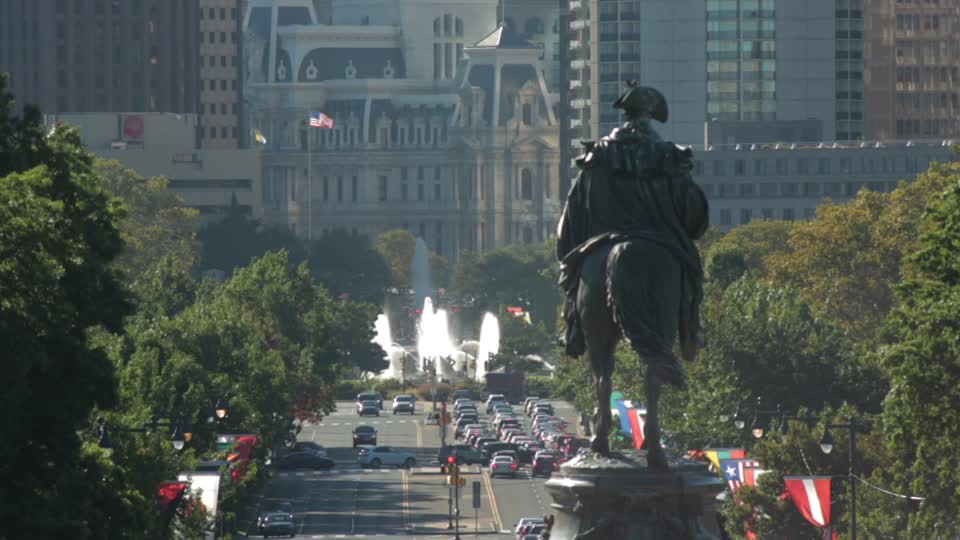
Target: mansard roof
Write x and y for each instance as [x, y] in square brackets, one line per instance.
[504, 37]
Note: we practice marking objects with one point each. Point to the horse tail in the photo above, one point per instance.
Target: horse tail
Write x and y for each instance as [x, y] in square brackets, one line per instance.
[644, 308]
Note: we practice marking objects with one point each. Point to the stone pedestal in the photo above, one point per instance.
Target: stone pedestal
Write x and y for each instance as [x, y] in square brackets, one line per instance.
[617, 498]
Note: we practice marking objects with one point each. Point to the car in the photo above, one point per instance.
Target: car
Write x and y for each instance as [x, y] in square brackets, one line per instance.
[466, 411]
[510, 452]
[478, 442]
[275, 509]
[304, 460]
[503, 466]
[462, 402]
[370, 396]
[494, 398]
[461, 393]
[544, 408]
[506, 433]
[386, 455]
[527, 401]
[533, 530]
[276, 524]
[530, 537]
[368, 408]
[364, 434]
[562, 440]
[463, 423]
[514, 437]
[309, 446]
[528, 450]
[544, 465]
[502, 407]
[490, 448]
[526, 521]
[465, 454]
[404, 403]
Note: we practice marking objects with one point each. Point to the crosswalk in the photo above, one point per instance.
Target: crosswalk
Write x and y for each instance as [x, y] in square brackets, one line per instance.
[368, 422]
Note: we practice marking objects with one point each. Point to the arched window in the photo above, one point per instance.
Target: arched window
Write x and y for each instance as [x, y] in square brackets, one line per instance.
[527, 114]
[533, 27]
[526, 185]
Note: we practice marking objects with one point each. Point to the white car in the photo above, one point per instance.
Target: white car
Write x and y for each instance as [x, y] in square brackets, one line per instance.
[526, 521]
[494, 398]
[386, 455]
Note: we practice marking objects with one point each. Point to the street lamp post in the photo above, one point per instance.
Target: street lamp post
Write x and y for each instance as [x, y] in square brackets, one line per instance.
[182, 431]
[853, 426]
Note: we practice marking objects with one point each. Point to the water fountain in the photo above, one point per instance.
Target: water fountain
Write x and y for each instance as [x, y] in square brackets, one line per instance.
[489, 343]
[420, 273]
[395, 353]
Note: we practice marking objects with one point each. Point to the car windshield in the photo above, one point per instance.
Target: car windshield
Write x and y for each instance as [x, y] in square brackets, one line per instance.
[365, 429]
[404, 398]
[503, 459]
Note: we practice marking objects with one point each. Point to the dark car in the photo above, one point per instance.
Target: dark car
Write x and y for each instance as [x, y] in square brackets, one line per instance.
[489, 449]
[304, 460]
[277, 524]
[368, 408]
[370, 396]
[544, 465]
[309, 446]
[364, 435]
[461, 393]
[466, 455]
[283, 508]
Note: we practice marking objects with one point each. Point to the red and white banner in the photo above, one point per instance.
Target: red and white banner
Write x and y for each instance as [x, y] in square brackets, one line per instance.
[637, 421]
[811, 495]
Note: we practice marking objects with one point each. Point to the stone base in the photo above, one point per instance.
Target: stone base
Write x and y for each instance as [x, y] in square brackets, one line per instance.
[616, 498]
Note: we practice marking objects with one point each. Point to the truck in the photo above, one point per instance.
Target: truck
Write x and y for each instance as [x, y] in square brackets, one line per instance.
[512, 385]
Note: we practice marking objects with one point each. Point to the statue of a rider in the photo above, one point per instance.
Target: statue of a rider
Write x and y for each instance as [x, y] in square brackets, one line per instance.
[629, 267]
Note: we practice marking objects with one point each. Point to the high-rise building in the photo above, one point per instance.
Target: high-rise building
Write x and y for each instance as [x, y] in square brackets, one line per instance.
[220, 63]
[912, 71]
[538, 21]
[102, 56]
[736, 62]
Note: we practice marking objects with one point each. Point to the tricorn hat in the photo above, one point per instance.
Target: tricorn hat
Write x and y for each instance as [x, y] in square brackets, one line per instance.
[643, 100]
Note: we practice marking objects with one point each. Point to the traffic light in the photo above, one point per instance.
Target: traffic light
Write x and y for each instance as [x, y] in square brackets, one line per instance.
[453, 470]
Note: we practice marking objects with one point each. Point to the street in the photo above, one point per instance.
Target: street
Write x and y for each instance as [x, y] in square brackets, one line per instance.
[352, 502]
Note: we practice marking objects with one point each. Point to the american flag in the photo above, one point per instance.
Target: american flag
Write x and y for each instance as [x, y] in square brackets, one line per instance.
[320, 120]
[733, 473]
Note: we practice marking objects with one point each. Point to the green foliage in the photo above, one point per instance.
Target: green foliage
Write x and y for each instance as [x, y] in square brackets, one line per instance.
[346, 264]
[519, 339]
[540, 386]
[59, 241]
[396, 247]
[921, 411]
[519, 275]
[237, 239]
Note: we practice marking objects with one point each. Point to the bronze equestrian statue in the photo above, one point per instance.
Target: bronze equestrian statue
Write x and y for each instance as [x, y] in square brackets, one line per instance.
[629, 267]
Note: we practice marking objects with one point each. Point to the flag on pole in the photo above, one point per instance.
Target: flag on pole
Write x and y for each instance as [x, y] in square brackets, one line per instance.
[258, 136]
[637, 419]
[624, 420]
[811, 495]
[320, 120]
[715, 455]
[751, 473]
[733, 471]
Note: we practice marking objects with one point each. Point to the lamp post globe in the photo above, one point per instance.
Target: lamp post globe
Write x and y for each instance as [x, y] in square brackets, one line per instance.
[178, 439]
[220, 409]
[738, 421]
[826, 442]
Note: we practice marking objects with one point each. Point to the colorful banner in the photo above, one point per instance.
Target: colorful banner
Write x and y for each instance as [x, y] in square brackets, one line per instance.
[637, 420]
[811, 495]
[715, 455]
[624, 420]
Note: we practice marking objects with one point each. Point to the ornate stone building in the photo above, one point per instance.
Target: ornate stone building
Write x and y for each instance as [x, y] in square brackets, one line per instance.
[443, 122]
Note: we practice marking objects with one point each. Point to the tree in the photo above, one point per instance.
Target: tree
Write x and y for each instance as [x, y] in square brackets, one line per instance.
[396, 247]
[513, 276]
[518, 340]
[59, 240]
[157, 224]
[346, 264]
[237, 239]
[921, 410]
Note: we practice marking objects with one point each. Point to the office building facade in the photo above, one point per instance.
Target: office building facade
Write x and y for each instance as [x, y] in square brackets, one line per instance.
[220, 61]
[912, 69]
[101, 56]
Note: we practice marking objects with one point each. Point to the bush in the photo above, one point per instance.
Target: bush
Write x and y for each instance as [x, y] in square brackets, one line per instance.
[348, 390]
[443, 392]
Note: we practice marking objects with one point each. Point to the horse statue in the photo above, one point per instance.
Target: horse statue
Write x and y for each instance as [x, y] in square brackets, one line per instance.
[629, 268]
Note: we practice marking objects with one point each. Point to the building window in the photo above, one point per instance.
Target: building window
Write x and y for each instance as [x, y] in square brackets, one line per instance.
[725, 218]
[802, 167]
[353, 189]
[823, 166]
[526, 185]
[339, 189]
[718, 168]
[747, 190]
[739, 167]
[782, 167]
[759, 167]
[420, 194]
[788, 214]
[437, 192]
[744, 216]
[403, 192]
[326, 188]
[383, 188]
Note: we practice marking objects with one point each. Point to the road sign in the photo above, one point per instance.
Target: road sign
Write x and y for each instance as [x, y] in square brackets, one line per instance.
[476, 494]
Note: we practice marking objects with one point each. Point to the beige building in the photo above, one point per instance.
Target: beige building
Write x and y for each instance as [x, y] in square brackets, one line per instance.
[163, 144]
[912, 69]
[220, 64]
[443, 125]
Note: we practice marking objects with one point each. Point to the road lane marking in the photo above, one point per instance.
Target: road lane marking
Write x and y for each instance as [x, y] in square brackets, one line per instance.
[406, 500]
[493, 499]
[419, 436]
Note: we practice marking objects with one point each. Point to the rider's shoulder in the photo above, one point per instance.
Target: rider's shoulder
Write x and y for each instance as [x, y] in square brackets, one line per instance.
[592, 152]
[677, 159]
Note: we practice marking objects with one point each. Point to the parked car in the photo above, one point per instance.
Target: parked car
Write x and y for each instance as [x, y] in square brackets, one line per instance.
[364, 435]
[503, 466]
[276, 524]
[370, 396]
[404, 403]
[544, 465]
[386, 455]
[304, 460]
[368, 408]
